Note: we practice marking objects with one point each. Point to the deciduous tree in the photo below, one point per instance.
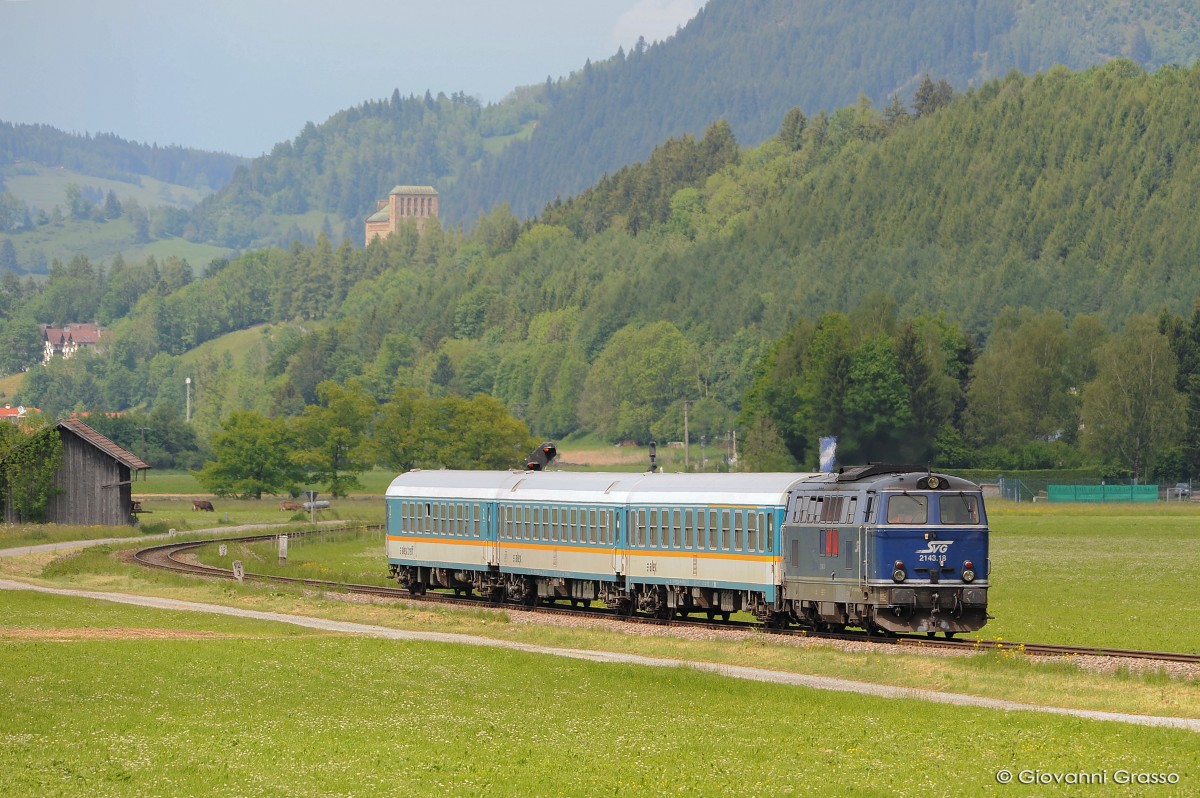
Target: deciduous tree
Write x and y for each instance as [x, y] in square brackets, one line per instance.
[252, 458]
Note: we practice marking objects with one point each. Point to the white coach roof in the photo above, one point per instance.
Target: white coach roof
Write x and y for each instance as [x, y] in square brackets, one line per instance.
[599, 487]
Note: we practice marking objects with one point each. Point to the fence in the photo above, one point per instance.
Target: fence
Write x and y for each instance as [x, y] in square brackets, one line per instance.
[1034, 490]
[1102, 493]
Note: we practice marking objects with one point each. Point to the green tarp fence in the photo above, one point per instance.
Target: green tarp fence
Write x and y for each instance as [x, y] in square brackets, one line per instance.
[1102, 493]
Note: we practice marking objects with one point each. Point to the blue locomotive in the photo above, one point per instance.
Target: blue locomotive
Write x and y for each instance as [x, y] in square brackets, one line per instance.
[883, 548]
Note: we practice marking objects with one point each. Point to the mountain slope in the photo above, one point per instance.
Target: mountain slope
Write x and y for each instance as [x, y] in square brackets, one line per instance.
[746, 62]
[1010, 196]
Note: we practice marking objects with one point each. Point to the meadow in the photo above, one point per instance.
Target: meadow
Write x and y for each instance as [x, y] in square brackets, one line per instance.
[111, 700]
[1115, 576]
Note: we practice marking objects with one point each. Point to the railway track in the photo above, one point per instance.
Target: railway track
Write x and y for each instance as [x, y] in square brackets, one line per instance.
[171, 557]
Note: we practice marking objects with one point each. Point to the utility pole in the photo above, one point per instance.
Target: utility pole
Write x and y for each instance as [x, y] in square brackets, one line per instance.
[187, 381]
[687, 460]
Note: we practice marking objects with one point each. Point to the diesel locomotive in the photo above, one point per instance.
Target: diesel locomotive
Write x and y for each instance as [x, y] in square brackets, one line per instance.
[884, 548]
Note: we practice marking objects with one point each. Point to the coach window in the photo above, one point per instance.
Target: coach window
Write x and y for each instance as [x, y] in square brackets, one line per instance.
[752, 520]
[676, 528]
[714, 518]
[652, 529]
[506, 515]
[851, 510]
[725, 530]
[605, 525]
[739, 533]
[689, 530]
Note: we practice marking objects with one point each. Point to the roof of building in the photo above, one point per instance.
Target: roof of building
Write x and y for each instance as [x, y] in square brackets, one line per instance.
[427, 190]
[10, 412]
[103, 444]
[380, 215]
[87, 333]
[80, 333]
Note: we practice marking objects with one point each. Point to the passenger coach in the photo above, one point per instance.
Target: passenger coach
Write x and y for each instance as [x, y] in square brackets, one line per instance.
[822, 550]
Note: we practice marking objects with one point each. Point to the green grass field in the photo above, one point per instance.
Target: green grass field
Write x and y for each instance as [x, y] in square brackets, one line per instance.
[107, 700]
[1118, 575]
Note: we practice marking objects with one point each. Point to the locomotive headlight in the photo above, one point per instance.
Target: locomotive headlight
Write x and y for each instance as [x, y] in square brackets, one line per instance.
[968, 571]
[898, 572]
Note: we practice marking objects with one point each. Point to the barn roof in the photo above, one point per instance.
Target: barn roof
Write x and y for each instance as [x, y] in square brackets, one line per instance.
[103, 444]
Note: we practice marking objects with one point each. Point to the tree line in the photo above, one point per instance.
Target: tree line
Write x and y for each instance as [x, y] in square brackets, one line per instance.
[660, 291]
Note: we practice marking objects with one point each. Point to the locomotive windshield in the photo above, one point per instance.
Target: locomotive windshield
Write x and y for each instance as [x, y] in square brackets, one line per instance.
[960, 509]
[951, 509]
[908, 509]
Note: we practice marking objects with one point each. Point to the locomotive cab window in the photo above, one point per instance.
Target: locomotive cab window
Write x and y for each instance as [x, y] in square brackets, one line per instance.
[907, 509]
[960, 509]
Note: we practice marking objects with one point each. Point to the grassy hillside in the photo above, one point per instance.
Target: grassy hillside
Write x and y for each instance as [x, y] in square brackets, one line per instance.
[100, 242]
[43, 187]
[8, 388]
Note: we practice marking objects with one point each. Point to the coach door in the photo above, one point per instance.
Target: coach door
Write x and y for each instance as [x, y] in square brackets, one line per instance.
[610, 532]
[491, 534]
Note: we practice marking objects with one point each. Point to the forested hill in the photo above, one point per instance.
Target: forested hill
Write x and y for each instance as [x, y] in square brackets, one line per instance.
[746, 62]
[1064, 193]
[109, 156]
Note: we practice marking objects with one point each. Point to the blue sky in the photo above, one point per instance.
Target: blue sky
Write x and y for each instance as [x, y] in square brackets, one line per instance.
[240, 76]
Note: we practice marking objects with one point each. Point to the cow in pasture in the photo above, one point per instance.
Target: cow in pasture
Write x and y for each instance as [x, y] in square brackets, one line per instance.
[202, 504]
[290, 504]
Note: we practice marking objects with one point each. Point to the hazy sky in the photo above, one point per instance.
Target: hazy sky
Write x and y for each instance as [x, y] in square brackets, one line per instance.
[241, 75]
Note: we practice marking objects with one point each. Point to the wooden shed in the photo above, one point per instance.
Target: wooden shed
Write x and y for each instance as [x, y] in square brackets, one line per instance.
[95, 477]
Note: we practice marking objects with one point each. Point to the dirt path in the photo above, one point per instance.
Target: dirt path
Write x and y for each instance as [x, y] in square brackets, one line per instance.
[69, 545]
[733, 671]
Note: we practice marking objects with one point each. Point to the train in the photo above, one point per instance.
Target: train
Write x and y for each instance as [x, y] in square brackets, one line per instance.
[883, 548]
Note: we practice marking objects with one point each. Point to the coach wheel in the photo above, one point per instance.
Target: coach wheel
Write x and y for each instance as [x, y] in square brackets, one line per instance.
[950, 635]
[930, 634]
